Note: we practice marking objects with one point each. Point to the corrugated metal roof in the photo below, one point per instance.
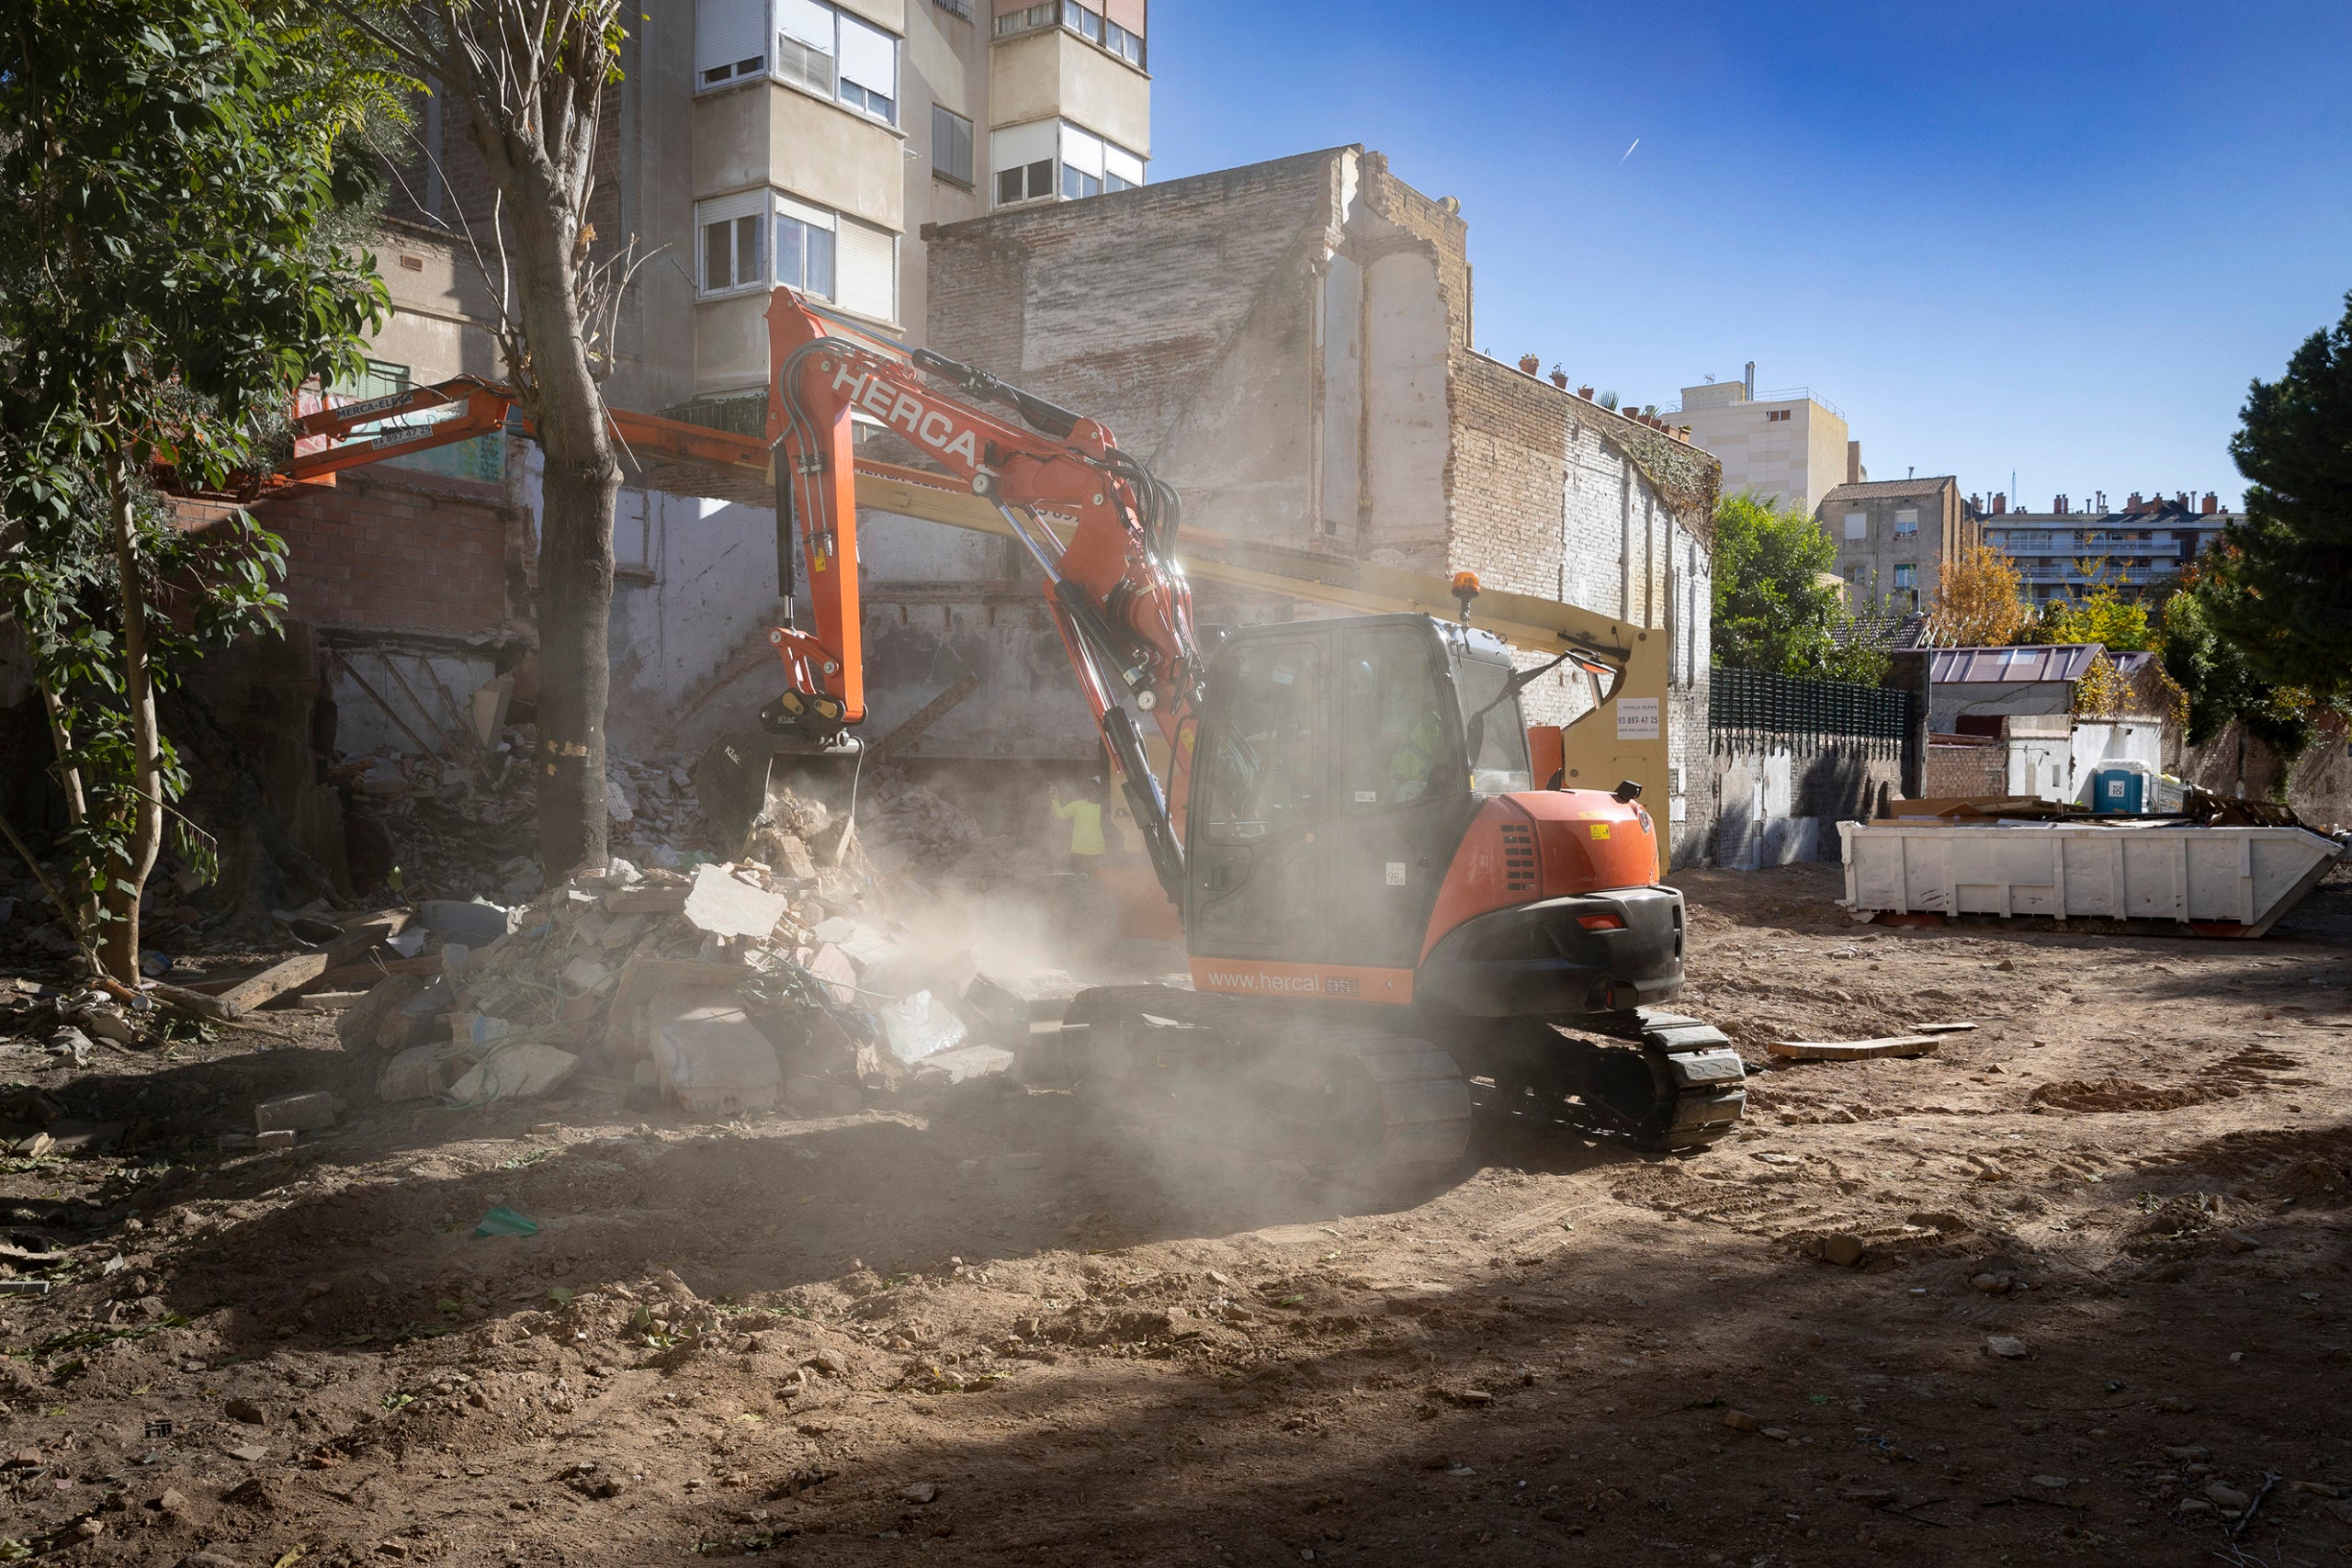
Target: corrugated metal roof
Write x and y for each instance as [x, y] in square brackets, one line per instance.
[1987, 666]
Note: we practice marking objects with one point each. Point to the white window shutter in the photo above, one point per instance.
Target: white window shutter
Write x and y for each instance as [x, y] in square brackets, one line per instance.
[815, 217]
[869, 57]
[1120, 163]
[729, 31]
[742, 204]
[1082, 150]
[807, 22]
[1018, 144]
[1857, 525]
[868, 262]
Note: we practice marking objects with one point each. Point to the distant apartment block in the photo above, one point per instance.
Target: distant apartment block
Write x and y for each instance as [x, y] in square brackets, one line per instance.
[1896, 537]
[2070, 551]
[1788, 445]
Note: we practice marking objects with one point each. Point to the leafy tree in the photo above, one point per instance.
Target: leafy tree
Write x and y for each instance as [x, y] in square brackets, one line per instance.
[170, 275]
[1776, 606]
[2103, 617]
[1979, 602]
[2220, 681]
[525, 79]
[2286, 602]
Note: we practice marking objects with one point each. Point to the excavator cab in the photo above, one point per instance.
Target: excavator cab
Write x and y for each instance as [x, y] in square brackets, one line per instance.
[1339, 764]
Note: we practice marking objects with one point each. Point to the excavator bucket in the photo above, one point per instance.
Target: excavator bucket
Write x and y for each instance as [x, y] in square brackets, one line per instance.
[744, 779]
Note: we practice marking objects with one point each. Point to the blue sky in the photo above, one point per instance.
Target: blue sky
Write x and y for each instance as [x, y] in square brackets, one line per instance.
[2054, 238]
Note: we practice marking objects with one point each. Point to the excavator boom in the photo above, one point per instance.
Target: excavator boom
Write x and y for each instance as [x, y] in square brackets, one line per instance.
[1116, 562]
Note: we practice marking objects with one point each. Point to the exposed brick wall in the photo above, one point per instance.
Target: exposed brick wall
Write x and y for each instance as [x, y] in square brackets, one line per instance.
[1445, 233]
[1121, 306]
[407, 554]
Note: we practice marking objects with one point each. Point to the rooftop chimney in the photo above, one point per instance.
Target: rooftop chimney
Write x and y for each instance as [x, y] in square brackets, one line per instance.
[2181, 497]
[1748, 380]
[2000, 503]
[2134, 505]
[2058, 505]
[1853, 462]
[2213, 504]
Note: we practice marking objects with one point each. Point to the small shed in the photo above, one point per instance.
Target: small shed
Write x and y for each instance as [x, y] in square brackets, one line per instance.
[1971, 690]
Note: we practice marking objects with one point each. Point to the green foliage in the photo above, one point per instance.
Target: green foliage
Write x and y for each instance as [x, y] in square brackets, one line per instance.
[171, 173]
[2284, 597]
[2104, 616]
[1773, 610]
[2220, 682]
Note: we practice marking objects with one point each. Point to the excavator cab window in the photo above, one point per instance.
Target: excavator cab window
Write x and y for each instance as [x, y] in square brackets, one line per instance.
[1494, 731]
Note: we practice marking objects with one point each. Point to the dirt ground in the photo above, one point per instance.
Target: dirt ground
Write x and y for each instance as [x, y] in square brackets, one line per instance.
[2099, 1305]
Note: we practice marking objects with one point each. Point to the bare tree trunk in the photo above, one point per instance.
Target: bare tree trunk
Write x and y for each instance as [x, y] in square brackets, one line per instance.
[582, 480]
[126, 877]
[83, 914]
[529, 79]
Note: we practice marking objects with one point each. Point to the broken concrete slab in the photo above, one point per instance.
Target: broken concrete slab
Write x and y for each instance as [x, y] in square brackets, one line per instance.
[721, 905]
[712, 1060]
[642, 978]
[418, 1073]
[363, 1025]
[962, 1063]
[519, 1069]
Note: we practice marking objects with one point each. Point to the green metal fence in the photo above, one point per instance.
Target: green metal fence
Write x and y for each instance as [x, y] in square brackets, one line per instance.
[1750, 701]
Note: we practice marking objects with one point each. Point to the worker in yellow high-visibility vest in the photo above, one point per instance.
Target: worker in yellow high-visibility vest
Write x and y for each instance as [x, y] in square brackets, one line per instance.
[1084, 816]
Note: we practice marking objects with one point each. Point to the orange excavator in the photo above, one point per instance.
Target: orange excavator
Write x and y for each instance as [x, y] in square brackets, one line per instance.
[1391, 903]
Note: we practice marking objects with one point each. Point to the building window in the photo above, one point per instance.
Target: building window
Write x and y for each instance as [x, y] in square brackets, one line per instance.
[804, 247]
[1906, 524]
[1857, 526]
[1128, 46]
[1049, 157]
[1777, 416]
[951, 146]
[1025, 183]
[1022, 18]
[1117, 27]
[956, 7]
[1907, 575]
[731, 41]
[730, 230]
[1122, 170]
[834, 55]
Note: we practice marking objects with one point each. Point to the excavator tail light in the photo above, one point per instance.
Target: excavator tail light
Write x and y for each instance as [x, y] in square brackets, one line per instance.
[1602, 922]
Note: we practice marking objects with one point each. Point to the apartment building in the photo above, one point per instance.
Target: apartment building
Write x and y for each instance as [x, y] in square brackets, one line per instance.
[752, 143]
[1786, 446]
[1895, 537]
[2070, 551]
[745, 142]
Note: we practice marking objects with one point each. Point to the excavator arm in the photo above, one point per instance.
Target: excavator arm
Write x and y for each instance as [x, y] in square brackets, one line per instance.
[1112, 584]
[1104, 534]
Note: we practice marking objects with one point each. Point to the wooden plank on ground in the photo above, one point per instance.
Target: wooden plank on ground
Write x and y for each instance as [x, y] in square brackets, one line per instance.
[304, 967]
[1854, 1050]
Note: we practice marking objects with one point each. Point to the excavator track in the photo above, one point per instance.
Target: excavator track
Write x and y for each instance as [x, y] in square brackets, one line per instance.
[1680, 1089]
[1341, 1097]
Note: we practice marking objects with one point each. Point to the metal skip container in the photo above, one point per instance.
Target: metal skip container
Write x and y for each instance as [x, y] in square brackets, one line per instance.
[2210, 881]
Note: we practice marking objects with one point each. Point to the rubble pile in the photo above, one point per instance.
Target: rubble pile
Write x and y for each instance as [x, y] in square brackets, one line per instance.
[448, 823]
[725, 987]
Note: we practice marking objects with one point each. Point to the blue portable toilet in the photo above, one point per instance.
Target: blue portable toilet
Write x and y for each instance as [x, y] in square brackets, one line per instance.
[2119, 789]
